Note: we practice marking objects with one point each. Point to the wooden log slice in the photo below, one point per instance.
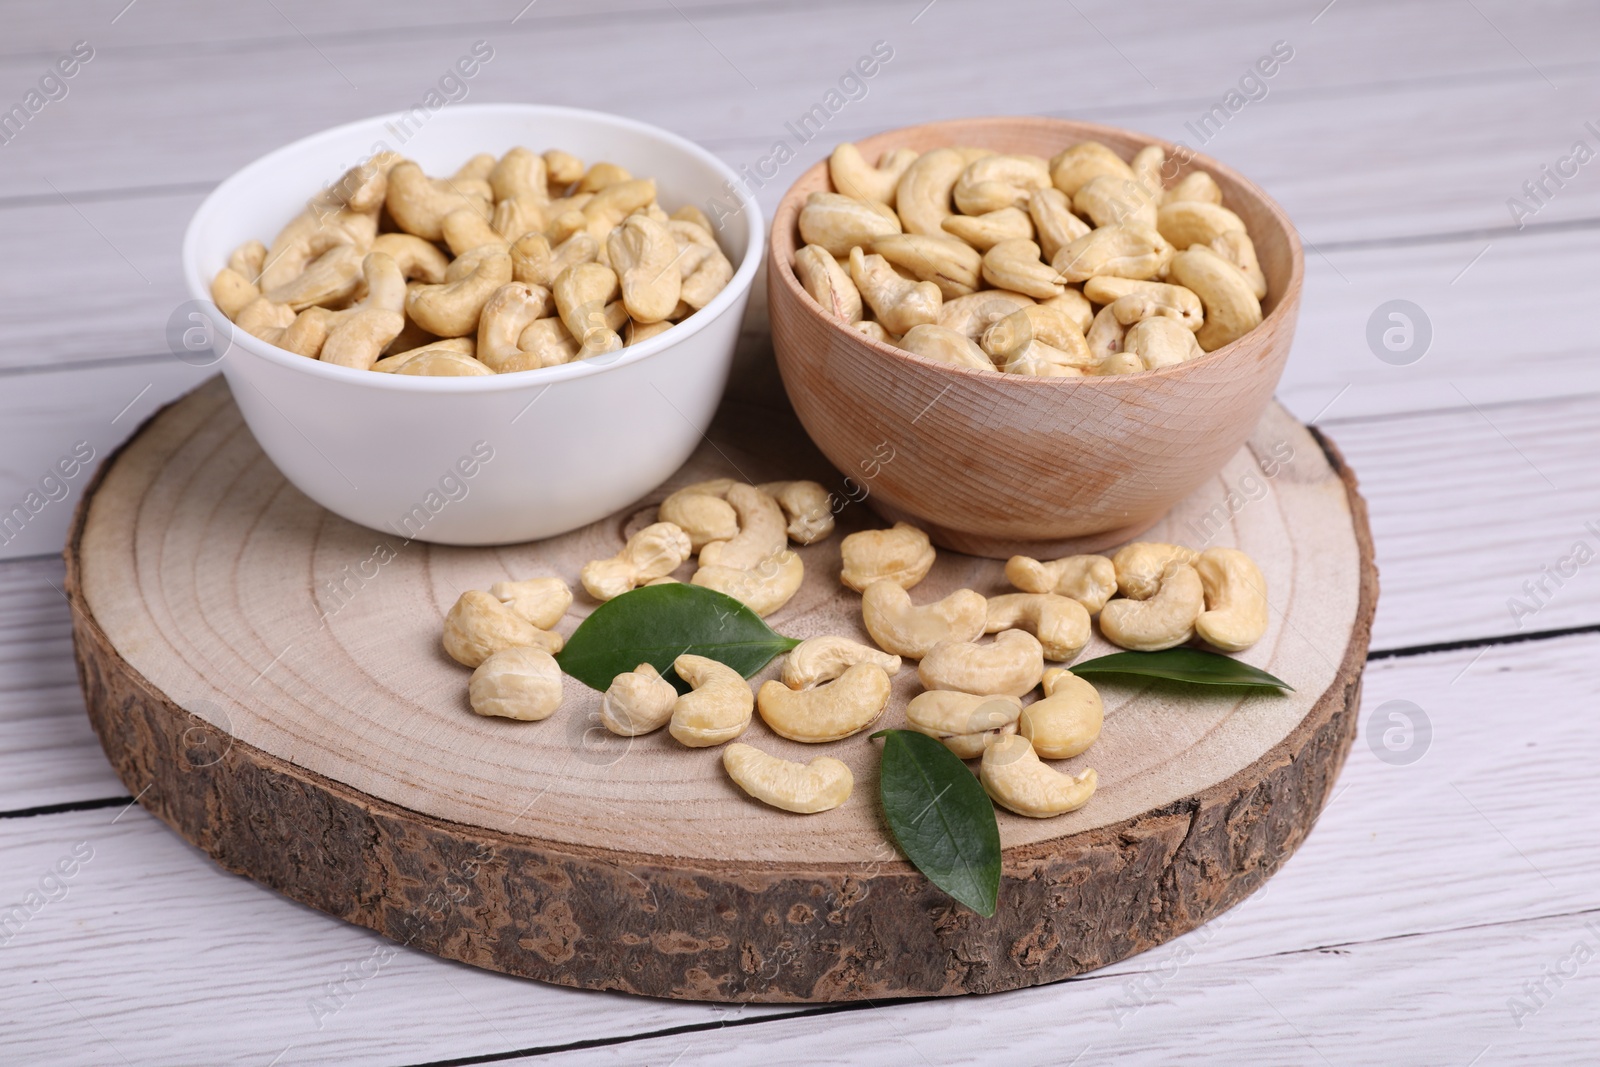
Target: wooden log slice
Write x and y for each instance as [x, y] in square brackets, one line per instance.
[268, 679]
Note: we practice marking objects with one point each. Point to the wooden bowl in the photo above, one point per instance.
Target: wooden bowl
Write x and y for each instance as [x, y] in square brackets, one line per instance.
[998, 464]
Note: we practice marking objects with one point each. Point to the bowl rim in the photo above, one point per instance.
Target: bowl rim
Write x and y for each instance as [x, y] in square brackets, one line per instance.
[356, 132]
[783, 245]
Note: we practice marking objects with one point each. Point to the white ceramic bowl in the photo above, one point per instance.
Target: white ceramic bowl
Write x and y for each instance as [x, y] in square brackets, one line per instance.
[494, 459]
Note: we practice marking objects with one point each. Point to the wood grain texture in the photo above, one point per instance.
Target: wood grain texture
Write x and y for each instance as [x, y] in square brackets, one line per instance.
[400, 782]
[1008, 463]
[1367, 877]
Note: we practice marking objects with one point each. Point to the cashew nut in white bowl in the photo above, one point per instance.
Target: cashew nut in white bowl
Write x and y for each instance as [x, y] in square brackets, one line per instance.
[610, 412]
[1010, 665]
[828, 712]
[820, 659]
[702, 511]
[1060, 623]
[807, 506]
[1016, 779]
[902, 555]
[478, 626]
[1236, 600]
[653, 552]
[803, 788]
[965, 723]
[911, 630]
[764, 588]
[763, 531]
[1067, 720]
[1090, 580]
[637, 702]
[542, 601]
[717, 709]
[517, 683]
[1139, 566]
[1163, 620]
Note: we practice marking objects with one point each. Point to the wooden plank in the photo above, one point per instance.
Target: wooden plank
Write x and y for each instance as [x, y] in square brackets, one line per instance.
[1320, 941]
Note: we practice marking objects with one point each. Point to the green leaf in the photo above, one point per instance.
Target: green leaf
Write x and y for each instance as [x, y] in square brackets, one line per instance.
[656, 624]
[941, 817]
[1182, 665]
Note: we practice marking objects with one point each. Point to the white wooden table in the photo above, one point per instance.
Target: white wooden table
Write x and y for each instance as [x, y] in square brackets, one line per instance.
[1446, 908]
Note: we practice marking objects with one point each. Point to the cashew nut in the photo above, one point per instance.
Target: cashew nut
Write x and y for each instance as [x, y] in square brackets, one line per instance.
[513, 308]
[1120, 363]
[839, 223]
[1039, 360]
[544, 343]
[517, 217]
[520, 174]
[1125, 251]
[331, 277]
[1163, 620]
[463, 346]
[1112, 201]
[1196, 185]
[911, 630]
[1232, 309]
[807, 506]
[451, 308]
[1071, 169]
[828, 283]
[478, 626]
[1014, 776]
[1237, 248]
[999, 181]
[653, 552]
[1090, 580]
[763, 588]
[709, 275]
[1147, 165]
[1105, 335]
[948, 262]
[562, 168]
[542, 601]
[465, 229]
[971, 315]
[831, 711]
[1016, 266]
[945, 346]
[582, 293]
[435, 362]
[761, 535]
[820, 659]
[417, 259]
[1236, 600]
[985, 231]
[965, 723]
[1067, 721]
[306, 335]
[1136, 301]
[1011, 664]
[358, 340]
[1139, 566]
[418, 204]
[852, 175]
[1051, 212]
[1075, 306]
[1037, 322]
[702, 511]
[717, 709]
[896, 302]
[535, 262]
[902, 555]
[1160, 341]
[637, 332]
[232, 290]
[307, 236]
[875, 330]
[644, 254]
[517, 683]
[610, 205]
[637, 702]
[922, 196]
[1059, 622]
[1195, 222]
[803, 788]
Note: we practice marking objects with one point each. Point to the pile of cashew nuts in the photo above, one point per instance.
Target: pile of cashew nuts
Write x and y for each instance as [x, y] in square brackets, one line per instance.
[1148, 596]
[509, 264]
[1082, 264]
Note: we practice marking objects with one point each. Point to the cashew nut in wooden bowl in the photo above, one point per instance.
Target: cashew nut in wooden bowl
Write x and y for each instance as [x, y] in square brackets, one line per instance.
[997, 464]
